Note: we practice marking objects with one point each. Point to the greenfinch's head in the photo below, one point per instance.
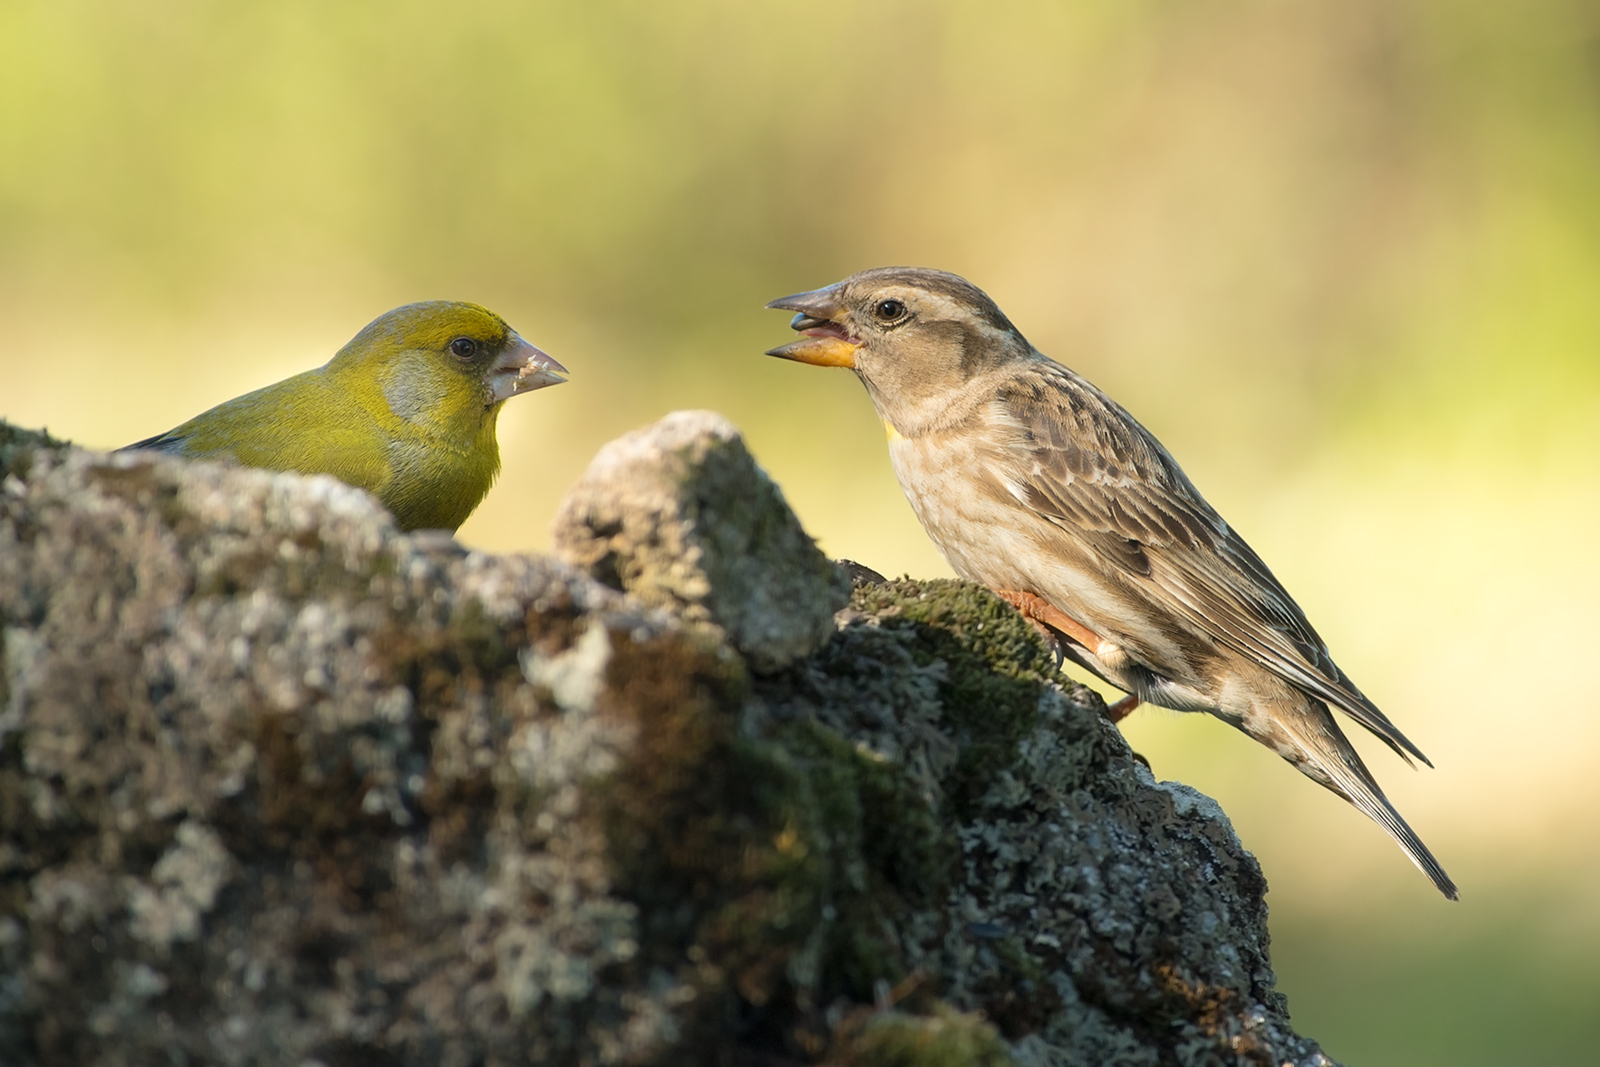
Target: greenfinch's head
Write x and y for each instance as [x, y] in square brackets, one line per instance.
[442, 361]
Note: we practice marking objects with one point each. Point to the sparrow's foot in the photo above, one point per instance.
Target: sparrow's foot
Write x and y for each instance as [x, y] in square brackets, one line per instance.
[1052, 641]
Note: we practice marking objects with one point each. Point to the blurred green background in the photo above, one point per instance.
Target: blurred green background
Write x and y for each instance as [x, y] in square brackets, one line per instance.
[1342, 256]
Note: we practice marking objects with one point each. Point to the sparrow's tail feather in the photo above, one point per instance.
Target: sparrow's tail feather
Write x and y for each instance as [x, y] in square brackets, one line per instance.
[1328, 759]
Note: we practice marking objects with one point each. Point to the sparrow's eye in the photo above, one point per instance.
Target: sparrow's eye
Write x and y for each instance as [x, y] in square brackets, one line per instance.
[889, 310]
[463, 348]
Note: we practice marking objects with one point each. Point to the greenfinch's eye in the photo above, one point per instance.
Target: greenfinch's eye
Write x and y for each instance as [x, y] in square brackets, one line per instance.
[889, 310]
[463, 348]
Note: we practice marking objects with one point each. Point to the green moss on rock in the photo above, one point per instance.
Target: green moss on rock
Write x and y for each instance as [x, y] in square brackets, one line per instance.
[996, 669]
[943, 1038]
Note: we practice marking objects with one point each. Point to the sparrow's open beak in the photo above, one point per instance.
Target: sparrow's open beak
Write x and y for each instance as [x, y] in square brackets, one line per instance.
[522, 368]
[826, 343]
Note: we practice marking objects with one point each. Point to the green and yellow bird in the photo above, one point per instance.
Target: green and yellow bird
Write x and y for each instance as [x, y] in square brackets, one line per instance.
[406, 411]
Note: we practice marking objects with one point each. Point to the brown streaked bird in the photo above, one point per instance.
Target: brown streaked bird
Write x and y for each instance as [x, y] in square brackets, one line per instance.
[1036, 484]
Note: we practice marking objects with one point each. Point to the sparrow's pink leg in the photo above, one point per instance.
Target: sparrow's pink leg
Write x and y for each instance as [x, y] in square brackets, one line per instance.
[1045, 615]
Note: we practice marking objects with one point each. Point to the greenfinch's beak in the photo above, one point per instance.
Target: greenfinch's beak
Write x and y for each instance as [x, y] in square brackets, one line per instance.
[522, 368]
[826, 342]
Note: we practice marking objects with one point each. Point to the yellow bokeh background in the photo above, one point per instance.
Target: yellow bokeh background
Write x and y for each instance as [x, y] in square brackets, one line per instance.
[1342, 256]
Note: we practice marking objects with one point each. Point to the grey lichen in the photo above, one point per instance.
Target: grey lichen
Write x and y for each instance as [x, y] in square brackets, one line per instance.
[183, 886]
[679, 516]
[280, 785]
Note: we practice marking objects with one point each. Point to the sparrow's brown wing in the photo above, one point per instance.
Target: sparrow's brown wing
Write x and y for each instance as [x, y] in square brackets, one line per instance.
[1090, 468]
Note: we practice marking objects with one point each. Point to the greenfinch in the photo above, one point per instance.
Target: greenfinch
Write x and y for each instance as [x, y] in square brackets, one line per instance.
[1036, 484]
[406, 411]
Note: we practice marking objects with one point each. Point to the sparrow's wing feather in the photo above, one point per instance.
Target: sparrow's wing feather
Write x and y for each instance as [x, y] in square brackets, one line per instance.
[1090, 468]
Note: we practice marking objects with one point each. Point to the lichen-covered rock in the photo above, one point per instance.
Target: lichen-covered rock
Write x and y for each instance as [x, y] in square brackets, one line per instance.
[1035, 867]
[280, 785]
[679, 515]
[272, 778]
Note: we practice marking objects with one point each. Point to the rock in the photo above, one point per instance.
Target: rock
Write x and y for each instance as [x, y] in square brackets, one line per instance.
[679, 516]
[1022, 854]
[18, 447]
[281, 785]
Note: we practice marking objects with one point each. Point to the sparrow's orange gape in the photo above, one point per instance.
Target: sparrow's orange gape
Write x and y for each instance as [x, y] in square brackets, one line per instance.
[1034, 483]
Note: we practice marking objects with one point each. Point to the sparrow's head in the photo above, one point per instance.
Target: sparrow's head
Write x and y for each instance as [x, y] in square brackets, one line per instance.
[912, 334]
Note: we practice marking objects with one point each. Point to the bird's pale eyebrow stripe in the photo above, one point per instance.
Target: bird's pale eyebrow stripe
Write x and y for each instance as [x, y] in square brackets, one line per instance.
[939, 305]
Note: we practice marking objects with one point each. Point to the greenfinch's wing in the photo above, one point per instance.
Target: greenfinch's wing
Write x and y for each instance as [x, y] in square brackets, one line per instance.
[294, 425]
